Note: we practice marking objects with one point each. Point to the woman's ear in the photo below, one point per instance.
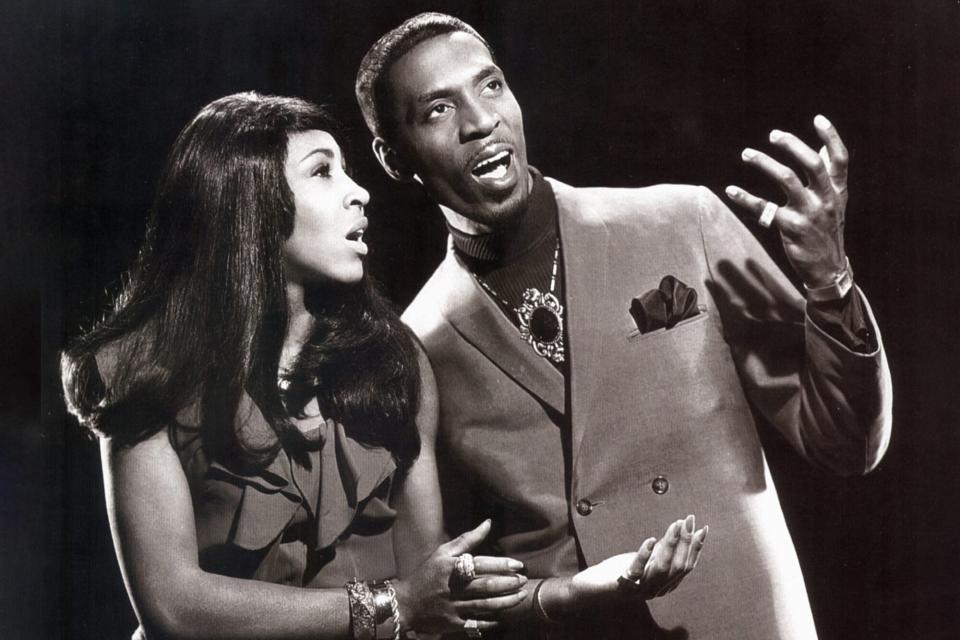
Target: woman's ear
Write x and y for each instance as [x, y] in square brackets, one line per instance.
[390, 161]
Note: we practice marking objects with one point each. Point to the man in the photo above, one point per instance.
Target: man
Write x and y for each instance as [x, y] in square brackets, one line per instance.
[598, 351]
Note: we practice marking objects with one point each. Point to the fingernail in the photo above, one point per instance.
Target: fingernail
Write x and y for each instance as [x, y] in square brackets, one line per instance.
[821, 123]
[676, 529]
[732, 192]
[521, 580]
[775, 135]
[706, 530]
[522, 594]
[748, 154]
[689, 524]
[515, 565]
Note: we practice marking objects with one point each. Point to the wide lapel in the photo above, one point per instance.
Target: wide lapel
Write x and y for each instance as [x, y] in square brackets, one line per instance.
[584, 243]
[481, 323]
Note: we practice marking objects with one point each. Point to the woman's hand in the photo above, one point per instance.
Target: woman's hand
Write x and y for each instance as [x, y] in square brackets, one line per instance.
[434, 599]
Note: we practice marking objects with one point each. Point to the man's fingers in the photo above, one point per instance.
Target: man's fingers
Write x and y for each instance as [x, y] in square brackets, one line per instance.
[490, 564]
[836, 155]
[640, 558]
[661, 559]
[696, 546]
[466, 541]
[468, 608]
[783, 175]
[813, 165]
[683, 546]
[785, 218]
[483, 586]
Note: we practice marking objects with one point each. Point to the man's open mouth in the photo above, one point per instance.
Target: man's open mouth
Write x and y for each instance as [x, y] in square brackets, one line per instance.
[494, 167]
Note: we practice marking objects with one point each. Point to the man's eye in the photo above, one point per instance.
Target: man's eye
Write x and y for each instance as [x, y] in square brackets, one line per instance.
[438, 110]
[495, 84]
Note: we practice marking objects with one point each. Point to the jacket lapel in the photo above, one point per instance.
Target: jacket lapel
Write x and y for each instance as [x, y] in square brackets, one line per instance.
[480, 322]
[584, 242]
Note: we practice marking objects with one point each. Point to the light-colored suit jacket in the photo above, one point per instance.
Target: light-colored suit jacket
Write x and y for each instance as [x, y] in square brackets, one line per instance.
[661, 422]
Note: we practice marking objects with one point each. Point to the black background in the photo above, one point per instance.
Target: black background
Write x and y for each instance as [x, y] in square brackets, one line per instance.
[620, 94]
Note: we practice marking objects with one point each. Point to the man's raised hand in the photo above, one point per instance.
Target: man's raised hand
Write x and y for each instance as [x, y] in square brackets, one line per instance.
[812, 220]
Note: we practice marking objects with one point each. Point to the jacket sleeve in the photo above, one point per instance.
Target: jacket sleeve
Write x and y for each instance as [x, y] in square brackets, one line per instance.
[832, 404]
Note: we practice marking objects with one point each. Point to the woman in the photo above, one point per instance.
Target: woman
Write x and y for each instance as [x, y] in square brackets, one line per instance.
[266, 421]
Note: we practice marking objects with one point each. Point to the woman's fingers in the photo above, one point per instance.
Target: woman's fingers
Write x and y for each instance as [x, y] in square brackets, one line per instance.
[466, 541]
[471, 608]
[483, 586]
[491, 564]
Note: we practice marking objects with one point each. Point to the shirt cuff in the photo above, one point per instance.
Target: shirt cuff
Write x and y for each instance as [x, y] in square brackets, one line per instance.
[845, 321]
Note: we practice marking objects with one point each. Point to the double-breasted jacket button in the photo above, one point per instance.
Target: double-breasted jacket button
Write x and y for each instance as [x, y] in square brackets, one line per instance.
[660, 485]
[584, 507]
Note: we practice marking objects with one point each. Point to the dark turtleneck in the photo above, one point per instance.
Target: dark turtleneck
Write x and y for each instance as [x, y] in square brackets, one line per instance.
[512, 259]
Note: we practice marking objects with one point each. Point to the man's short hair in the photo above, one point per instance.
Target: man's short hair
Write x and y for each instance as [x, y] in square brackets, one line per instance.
[372, 89]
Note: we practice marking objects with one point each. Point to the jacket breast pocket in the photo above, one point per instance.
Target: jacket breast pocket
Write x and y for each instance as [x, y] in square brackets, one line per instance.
[675, 331]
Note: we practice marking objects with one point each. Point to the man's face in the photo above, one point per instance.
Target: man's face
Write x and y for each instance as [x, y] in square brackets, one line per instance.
[459, 128]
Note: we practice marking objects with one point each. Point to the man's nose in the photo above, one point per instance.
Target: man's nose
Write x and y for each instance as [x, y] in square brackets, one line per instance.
[478, 122]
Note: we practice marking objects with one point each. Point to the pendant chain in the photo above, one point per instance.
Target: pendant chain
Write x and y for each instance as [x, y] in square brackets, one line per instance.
[553, 279]
[539, 316]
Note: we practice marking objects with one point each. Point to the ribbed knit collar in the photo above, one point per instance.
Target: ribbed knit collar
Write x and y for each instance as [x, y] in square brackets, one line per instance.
[503, 246]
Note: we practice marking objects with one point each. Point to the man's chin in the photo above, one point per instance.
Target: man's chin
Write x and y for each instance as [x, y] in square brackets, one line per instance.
[503, 215]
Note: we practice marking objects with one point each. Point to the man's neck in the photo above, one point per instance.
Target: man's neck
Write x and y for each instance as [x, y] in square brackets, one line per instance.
[464, 224]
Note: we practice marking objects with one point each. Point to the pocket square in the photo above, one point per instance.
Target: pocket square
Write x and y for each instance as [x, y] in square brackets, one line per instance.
[664, 306]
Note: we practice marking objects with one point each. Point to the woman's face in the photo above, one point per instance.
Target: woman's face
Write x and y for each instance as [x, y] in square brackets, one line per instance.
[328, 226]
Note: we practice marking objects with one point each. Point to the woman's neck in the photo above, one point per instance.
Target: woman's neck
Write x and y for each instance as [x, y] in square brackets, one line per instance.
[299, 325]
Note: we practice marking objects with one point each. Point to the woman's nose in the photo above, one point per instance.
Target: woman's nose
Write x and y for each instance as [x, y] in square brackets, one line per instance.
[357, 196]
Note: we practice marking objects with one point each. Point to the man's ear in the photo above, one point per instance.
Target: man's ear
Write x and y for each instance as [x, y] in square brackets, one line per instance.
[390, 161]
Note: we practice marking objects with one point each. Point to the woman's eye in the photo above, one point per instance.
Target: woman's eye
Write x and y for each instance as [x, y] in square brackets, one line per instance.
[322, 170]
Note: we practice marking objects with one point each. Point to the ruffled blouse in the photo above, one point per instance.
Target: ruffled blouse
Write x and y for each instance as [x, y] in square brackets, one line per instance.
[320, 520]
[319, 523]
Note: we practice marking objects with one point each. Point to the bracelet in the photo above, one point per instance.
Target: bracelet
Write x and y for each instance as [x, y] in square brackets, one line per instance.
[362, 611]
[386, 610]
[836, 290]
[538, 609]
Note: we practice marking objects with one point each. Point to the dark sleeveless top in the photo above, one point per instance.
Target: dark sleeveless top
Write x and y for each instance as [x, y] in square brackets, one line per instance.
[317, 524]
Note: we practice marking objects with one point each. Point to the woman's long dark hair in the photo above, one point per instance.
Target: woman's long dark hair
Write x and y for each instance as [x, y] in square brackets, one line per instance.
[202, 313]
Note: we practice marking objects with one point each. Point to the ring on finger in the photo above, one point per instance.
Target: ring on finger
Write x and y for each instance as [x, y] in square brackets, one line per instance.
[472, 628]
[769, 212]
[465, 567]
[629, 584]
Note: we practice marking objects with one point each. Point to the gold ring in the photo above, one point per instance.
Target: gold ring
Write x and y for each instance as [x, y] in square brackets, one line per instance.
[472, 629]
[769, 212]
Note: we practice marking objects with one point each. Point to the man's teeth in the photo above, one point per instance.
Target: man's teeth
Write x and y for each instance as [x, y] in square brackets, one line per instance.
[495, 167]
[498, 172]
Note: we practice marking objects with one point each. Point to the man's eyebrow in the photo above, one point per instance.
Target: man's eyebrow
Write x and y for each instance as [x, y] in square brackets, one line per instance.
[321, 150]
[444, 91]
